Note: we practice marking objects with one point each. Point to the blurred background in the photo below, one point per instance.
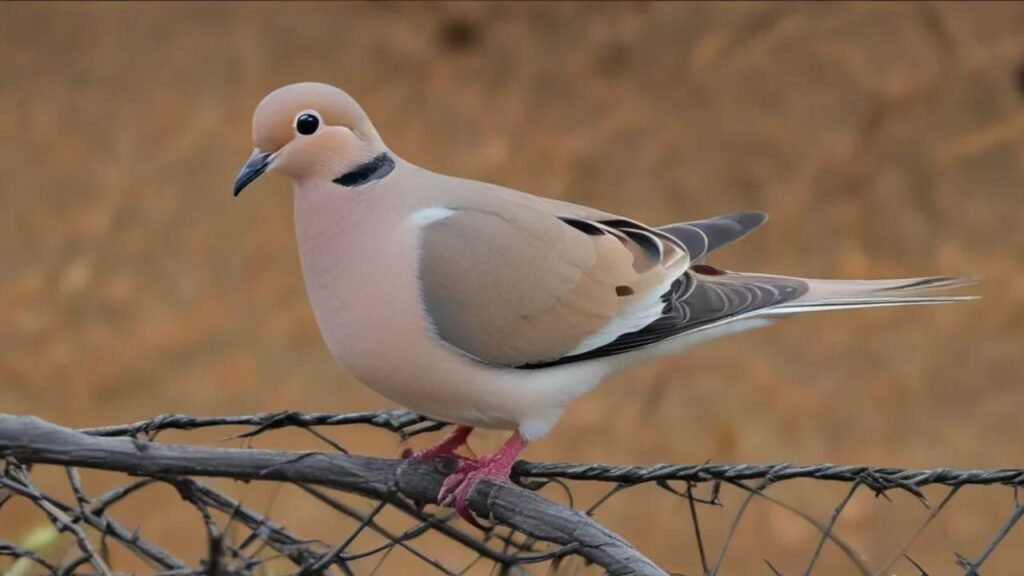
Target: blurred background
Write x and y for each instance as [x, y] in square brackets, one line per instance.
[883, 139]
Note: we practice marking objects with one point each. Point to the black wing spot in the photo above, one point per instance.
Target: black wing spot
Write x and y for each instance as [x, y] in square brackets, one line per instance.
[707, 270]
[622, 291]
[645, 239]
[587, 228]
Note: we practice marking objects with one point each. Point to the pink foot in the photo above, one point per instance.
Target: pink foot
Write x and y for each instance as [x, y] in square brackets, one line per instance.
[496, 467]
[446, 448]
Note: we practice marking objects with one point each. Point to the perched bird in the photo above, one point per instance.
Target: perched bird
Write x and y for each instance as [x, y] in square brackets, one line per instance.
[488, 307]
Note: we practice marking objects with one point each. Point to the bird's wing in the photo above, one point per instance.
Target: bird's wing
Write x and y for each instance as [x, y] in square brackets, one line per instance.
[521, 285]
[525, 288]
[703, 297]
[703, 237]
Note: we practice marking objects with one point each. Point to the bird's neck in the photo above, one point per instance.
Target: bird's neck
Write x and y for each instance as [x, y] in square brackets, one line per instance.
[331, 225]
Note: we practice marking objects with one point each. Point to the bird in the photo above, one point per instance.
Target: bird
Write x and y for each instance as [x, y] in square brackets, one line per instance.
[486, 307]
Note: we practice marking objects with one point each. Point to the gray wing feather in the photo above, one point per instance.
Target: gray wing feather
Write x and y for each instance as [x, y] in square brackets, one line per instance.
[700, 298]
[706, 296]
[703, 237]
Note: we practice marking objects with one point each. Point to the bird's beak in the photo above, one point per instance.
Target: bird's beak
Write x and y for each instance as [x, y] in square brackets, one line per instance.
[256, 165]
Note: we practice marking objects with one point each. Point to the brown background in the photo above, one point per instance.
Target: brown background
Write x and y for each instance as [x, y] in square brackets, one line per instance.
[884, 140]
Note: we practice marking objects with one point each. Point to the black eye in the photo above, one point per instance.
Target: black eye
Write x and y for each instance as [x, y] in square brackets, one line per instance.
[307, 124]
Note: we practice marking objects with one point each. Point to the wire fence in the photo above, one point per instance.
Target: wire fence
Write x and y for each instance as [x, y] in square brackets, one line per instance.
[392, 525]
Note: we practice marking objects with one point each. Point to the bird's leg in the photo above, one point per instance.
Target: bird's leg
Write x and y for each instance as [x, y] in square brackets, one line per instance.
[446, 448]
[495, 467]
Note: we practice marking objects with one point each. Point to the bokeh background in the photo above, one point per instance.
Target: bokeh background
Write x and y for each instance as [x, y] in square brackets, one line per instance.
[883, 139]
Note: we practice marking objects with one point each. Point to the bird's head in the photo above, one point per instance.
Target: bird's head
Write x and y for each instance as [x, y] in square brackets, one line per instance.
[312, 130]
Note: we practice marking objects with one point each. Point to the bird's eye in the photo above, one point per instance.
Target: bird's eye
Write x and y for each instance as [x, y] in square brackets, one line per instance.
[307, 123]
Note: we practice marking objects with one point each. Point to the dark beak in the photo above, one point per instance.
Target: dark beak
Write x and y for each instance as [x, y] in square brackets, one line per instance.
[256, 165]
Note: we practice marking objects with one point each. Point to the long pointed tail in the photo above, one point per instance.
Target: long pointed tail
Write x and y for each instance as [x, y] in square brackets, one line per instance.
[841, 294]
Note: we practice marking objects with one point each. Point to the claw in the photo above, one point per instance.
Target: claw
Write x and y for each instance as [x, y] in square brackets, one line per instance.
[455, 490]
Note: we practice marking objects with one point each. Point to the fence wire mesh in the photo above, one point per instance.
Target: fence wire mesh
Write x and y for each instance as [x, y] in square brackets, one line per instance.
[385, 528]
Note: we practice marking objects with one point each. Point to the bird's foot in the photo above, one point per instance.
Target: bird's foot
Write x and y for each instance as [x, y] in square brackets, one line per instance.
[455, 489]
[496, 467]
[445, 449]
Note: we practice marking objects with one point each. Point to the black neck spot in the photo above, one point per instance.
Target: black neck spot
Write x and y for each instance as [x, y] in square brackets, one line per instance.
[375, 169]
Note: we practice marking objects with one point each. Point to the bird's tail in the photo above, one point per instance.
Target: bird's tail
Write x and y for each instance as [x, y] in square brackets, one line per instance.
[842, 294]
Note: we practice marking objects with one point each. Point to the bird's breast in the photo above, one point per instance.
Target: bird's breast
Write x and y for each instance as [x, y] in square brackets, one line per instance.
[359, 265]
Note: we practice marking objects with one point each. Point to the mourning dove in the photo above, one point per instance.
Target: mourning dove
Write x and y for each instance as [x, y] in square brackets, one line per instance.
[492, 308]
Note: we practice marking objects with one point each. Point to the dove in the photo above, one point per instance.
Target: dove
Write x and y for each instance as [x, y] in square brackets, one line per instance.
[486, 307]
